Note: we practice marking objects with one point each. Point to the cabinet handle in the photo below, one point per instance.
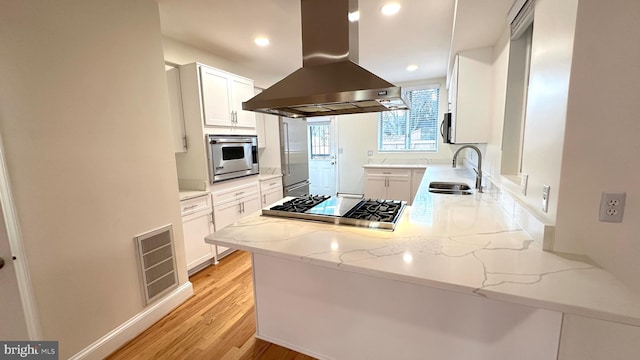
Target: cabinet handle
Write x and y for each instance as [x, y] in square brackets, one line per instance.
[239, 208]
[190, 207]
[242, 207]
[239, 193]
[264, 199]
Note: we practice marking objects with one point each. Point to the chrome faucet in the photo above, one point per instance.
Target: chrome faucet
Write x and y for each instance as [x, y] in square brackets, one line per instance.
[479, 171]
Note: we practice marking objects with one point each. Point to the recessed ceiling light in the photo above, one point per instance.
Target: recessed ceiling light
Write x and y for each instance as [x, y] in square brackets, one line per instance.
[390, 9]
[261, 41]
[412, 67]
[354, 16]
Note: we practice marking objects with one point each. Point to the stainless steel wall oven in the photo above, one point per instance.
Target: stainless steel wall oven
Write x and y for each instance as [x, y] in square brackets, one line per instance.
[232, 156]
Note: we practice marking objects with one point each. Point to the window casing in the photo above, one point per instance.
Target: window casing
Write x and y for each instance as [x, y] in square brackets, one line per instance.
[414, 130]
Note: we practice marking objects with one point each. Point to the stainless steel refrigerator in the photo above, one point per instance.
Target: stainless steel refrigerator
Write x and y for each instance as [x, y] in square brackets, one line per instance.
[294, 156]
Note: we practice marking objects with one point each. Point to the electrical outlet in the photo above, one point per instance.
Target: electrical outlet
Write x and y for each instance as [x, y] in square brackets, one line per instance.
[523, 183]
[612, 207]
[369, 152]
[545, 198]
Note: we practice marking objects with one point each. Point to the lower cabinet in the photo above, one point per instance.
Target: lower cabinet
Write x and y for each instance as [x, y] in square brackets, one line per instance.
[392, 183]
[389, 184]
[270, 191]
[197, 222]
[231, 205]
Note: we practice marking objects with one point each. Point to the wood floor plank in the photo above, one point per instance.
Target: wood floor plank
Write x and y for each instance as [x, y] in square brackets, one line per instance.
[218, 322]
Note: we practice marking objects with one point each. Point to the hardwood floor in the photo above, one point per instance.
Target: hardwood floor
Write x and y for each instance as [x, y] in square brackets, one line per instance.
[218, 322]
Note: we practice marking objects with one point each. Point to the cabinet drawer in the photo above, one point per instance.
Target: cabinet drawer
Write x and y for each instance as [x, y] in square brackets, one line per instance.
[388, 172]
[194, 205]
[266, 185]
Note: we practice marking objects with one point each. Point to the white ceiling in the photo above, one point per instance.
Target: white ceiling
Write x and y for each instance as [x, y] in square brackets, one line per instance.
[421, 33]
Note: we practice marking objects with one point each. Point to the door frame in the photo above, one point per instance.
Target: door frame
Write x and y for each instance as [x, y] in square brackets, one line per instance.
[14, 235]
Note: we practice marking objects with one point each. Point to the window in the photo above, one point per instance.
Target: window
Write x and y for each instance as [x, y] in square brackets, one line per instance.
[320, 138]
[415, 129]
[515, 119]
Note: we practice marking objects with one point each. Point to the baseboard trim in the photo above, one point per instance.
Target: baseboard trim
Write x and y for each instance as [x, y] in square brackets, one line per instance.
[136, 325]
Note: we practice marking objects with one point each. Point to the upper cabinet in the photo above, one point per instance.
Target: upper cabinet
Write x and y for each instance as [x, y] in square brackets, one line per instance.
[211, 103]
[470, 96]
[175, 107]
[222, 97]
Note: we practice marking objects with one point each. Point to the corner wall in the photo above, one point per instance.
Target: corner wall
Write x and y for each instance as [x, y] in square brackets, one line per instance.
[85, 123]
[601, 145]
[551, 56]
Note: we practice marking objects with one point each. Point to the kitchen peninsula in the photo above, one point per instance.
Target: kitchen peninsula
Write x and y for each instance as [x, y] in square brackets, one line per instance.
[458, 278]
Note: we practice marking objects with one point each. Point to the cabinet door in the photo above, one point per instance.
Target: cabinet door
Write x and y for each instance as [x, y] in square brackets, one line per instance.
[453, 99]
[215, 97]
[242, 90]
[195, 228]
[470, 96]
[250, 204]
[375, 187]
[225, 213]
[271, 196]
[399, 188]
[175, 109]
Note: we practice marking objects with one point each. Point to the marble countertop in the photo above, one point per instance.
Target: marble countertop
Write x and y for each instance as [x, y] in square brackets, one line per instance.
[265, 177]
[190, 194]
[467, 244]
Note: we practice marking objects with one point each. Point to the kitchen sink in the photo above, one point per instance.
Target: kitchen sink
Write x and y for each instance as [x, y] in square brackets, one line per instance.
[451, 188]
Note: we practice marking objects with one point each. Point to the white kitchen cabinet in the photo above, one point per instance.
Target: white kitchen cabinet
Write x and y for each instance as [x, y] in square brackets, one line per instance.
[231, 205]
[175, 108]
[392, 183]
[389, 184]
[207, 110]
[270, 191]
[470, 96]
[197, 222]
[222, 97]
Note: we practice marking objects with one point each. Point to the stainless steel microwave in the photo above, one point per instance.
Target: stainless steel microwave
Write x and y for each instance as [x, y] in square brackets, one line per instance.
[232, 156]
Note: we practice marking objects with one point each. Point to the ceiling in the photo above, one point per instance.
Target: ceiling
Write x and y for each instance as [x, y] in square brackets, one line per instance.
[420, 33]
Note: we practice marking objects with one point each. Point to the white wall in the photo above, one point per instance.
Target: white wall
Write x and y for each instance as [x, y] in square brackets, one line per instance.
[551, 55]
[582, 127]
[180, 53]
[85, 124]
[601, 145]
[357, 134]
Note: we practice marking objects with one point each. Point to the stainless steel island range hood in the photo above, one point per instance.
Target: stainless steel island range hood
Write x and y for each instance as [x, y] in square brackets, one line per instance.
[330, 82]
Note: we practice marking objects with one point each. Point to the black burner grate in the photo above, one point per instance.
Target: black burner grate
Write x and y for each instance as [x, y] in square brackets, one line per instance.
[375, 210]
[300, 204]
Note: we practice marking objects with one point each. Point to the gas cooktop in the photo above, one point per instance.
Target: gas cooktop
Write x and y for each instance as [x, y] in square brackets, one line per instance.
[382, 214]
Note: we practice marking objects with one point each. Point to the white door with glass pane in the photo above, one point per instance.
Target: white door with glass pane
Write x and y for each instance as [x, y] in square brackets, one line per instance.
[322, 156]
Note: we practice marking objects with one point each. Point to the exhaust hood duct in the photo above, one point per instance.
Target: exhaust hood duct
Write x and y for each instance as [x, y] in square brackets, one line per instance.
[329, 82]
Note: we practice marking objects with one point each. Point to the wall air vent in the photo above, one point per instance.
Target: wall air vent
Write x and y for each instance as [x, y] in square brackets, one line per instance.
[157, 262]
